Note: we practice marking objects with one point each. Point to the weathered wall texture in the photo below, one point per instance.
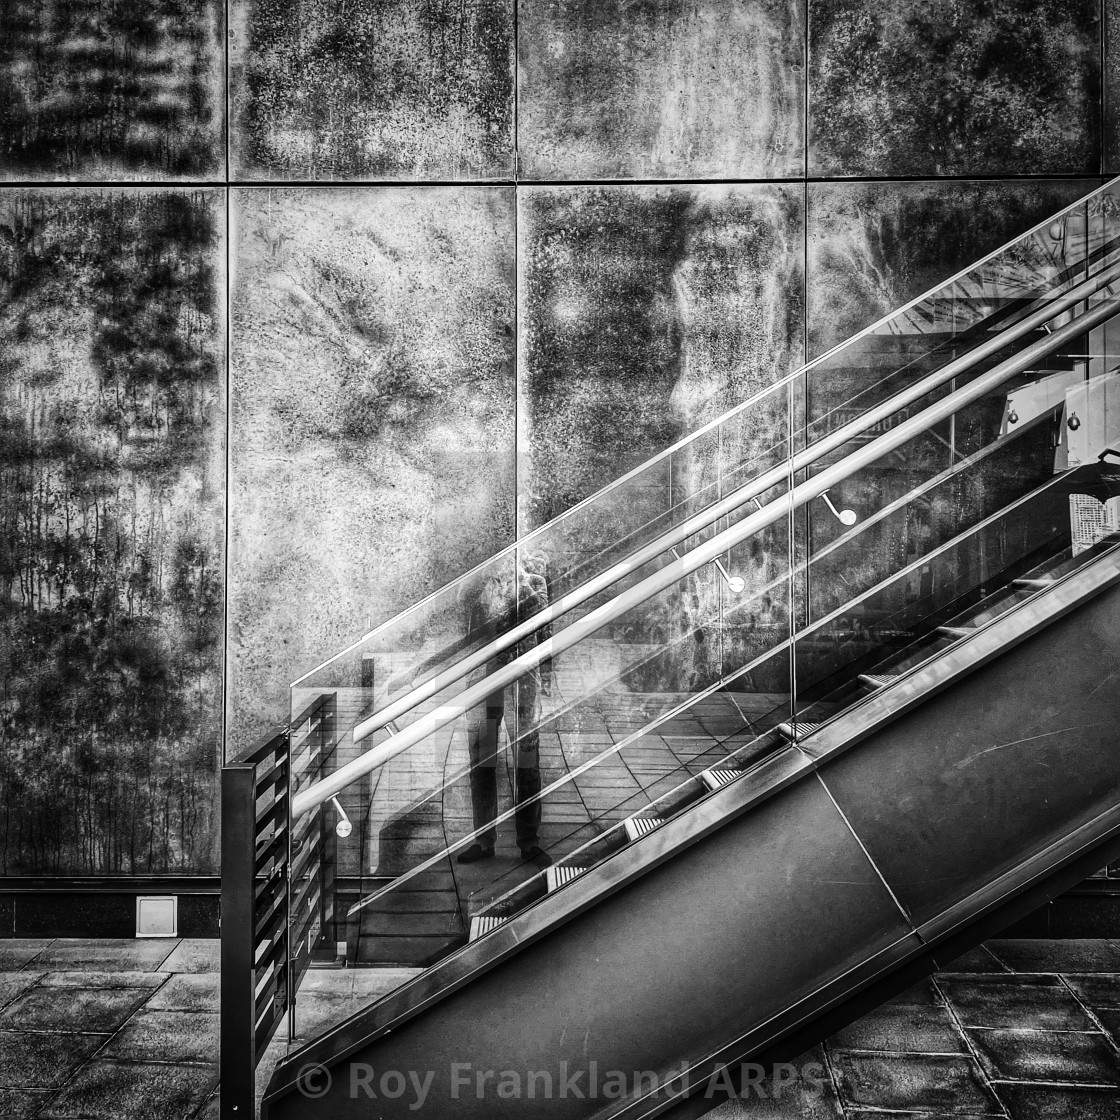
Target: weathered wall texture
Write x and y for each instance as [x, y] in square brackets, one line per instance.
[111, 511]
[875, 246]
[679, 89]
[645, 311]
[947, 88]
[372, 444]
[112, 90]
[372, 89]
[413, 363]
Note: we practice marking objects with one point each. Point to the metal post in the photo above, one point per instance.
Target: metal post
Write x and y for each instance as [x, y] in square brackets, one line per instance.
[328, 858]
[238, 1057]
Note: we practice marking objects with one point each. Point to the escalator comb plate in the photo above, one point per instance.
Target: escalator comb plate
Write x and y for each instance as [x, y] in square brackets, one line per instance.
[640, 826]
[877, 680]
[714, 779]
[794, 732]
[558, 876]
[484, 923]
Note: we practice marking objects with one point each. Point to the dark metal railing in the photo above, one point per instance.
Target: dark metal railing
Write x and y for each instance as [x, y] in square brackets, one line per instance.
[277, 893]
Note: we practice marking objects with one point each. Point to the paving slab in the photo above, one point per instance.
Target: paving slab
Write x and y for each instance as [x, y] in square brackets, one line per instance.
[97, 1010]
[18, 952]
[1053, 955]
[22, 1104]
[188, 992]
[946, 1085]
[108, 1090]
[43, 1061]
[167, 1036]
[1029, 1055]
[979, 959]
[1100, 990]
[1048, 1102]
[73, 954]
[14, 984]
[1022, 1002]
[1109, 1018]
[909, 1028]
[195, 955]
[126, 979]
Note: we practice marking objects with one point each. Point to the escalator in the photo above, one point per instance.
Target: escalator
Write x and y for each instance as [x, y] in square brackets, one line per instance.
[786, 717]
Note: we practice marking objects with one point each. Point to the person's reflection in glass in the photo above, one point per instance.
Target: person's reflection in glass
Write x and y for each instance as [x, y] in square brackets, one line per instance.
[497, 607]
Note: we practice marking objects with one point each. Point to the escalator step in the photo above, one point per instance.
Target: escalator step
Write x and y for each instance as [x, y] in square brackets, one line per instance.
[558, 876]
[956, 631]
[796, 731]
[484, 923]
[714, 779]
[877, 680]
[637, 827]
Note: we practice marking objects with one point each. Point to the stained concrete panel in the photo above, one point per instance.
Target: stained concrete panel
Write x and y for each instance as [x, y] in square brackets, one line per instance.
[873, 247]
[373, 89]
[645, 311]
[372, 411]
[111, 513]
[936, 87]
[112, 92]
[675, 89]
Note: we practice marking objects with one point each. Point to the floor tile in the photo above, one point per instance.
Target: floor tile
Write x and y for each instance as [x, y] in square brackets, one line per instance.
[167, 1036]
[72, 1009]
[107, 1090]
[789, 1102]
[18, 952]
[975, 960]
[860, 1114]
[1100, 990]
[189, 992]
[1044, 1102]
[913, 1083]
[1109, 1018]
[22, 1104]
[1023, 1002]
[801, 1089]
[1027, 1055]
[43, 1061]
[13, 984]
[212, 1110]
[1050, 955]
[922, 994]
[81, 979]
[905, 1028]
[104, 955]
[194, 955]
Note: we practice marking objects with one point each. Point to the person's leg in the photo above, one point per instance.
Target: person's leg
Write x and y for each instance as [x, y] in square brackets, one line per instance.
[482, 745]
[527, 818]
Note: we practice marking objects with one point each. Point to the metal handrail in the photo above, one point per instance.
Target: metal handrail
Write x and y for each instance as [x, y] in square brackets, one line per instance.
[703, 554]
[811, 628]
[732, 502]
[724, 417]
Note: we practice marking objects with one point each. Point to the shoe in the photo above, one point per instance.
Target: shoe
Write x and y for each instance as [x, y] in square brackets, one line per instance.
[537, 855]
[474, 853]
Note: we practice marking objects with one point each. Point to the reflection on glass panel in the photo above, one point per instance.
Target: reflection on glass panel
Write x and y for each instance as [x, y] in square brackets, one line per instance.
[693, 622]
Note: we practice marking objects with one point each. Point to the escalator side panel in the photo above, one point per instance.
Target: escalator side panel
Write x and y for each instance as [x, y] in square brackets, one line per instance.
[752, 917]
[774, 919]
[1008, 760]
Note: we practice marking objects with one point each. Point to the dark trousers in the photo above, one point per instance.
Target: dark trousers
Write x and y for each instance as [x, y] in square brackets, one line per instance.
[522, 699]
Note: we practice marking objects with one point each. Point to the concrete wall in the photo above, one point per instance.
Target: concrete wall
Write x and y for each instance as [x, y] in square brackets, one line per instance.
[482, 257]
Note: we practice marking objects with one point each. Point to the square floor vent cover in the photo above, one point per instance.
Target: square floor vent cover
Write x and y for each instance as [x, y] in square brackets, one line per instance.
[157, 916]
